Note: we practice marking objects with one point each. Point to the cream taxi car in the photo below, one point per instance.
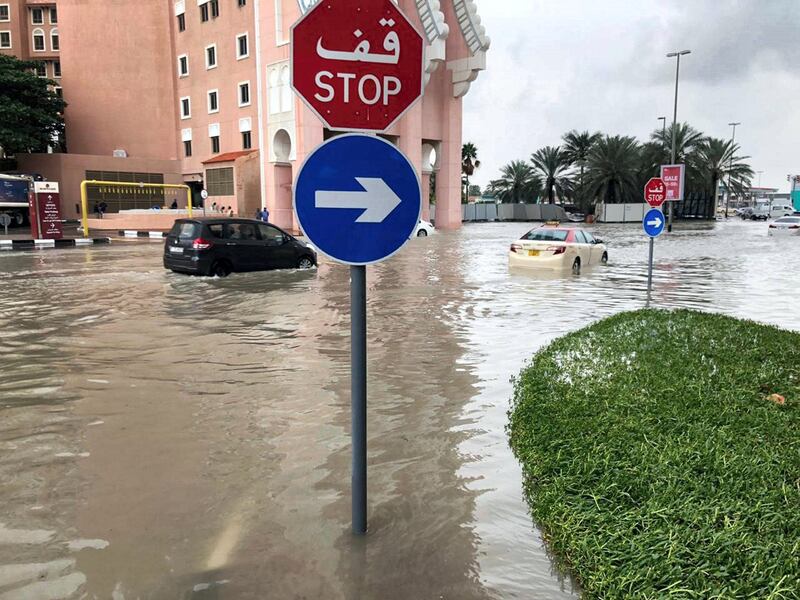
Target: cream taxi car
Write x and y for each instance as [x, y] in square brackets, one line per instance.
[554, 246]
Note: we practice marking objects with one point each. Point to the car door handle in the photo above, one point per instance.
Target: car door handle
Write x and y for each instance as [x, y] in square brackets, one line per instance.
[229, 244]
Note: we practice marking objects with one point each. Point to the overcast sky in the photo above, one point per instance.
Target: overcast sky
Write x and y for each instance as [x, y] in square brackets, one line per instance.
[600, 65]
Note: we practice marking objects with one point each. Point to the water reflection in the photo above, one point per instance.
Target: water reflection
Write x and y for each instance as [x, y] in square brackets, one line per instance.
[179, 437]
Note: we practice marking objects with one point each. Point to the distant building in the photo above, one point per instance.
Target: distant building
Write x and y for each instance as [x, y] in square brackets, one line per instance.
[198, 92]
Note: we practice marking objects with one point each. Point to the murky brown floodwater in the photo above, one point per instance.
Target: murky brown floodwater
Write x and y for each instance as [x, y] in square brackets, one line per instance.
[171, 437]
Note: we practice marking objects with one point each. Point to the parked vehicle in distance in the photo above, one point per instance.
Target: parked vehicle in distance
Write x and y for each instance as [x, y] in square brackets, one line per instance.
[221, 246]
[785, 226]
[14, 202]
[554, 246]
[424, 229]
[781, 210]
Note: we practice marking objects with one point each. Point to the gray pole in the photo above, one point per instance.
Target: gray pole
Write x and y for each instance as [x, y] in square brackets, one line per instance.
[730, 167]
[675, 122]
[358, 395]
[650, 271]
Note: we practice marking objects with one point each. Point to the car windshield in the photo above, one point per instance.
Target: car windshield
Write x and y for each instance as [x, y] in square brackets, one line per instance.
[547, 235]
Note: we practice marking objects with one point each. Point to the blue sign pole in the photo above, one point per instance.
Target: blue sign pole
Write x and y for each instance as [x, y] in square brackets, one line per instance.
[358, 199]
[653, 224]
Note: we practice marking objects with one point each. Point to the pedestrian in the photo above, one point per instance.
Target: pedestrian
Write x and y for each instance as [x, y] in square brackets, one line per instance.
[103, 209]
[174, 205]
[214, 207]
[96, 210]
[265, 215]
[230, 211]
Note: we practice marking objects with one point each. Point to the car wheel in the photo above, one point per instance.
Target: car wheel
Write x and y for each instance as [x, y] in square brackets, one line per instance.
[220, 269]
[604, 258]
[576, 266]
[305, 263]
[422, 233]
[19, 219]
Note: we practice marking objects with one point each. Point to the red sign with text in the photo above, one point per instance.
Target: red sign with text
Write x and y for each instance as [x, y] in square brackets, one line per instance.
[46, 222]
[358, 65]
[674, 178]
[655, 193]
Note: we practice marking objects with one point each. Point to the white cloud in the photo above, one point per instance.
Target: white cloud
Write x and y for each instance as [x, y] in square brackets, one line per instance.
[582, 64]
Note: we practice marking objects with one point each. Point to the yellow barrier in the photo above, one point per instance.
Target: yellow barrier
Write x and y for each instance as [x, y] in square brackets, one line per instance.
[129, 184]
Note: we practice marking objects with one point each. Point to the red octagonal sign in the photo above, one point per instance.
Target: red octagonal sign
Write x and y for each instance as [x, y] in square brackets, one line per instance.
[357, 63]
[655, 192]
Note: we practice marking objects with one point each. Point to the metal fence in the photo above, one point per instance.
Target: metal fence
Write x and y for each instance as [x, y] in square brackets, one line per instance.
[695, 206]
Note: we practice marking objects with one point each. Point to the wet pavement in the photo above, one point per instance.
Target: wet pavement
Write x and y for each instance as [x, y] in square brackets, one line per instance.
[164, 436]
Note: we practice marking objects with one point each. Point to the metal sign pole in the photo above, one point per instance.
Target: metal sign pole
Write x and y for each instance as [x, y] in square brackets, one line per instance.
[358, 391]
[650, 269]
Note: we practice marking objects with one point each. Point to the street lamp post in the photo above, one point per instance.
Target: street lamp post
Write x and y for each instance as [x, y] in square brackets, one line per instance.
[675, 120]
[760, 173]
[663, 129]
[730, 168]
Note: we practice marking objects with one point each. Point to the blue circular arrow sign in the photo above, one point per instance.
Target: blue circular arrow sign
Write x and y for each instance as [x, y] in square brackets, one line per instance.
[654, 223]
[358, 199]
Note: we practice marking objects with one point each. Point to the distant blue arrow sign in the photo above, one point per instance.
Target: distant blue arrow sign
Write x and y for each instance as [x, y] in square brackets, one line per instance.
[654, 222]
[358, 199]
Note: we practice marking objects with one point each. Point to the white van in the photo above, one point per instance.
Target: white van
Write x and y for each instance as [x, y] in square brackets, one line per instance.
[763, 211]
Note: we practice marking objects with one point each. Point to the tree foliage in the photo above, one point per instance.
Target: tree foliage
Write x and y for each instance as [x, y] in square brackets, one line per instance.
[553, 165]
[518, 183]
[31, 114]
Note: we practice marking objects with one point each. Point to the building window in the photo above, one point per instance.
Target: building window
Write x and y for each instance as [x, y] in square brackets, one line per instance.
[244, 93]
[183, 65]
[242, 46]
[214, 8]
[215, 144]
[247, 140]
[211, 56]
[219, 182]
[213, 101]
[58, 91]
[182, 22]
[187, 149]
[5, 39]
[279, 36]
[57, 69]
[40, 69]
[37, 16]
[38, 40]
[186, 107]
[54, 45]
[204, 12]
[5, 13]
[242, 3]
[53, 16]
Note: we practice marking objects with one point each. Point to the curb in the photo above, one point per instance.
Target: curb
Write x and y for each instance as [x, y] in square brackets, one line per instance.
[128, 233]
[36, 244]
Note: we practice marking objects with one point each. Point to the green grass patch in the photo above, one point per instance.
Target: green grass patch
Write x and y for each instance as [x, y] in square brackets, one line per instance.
[656, 462]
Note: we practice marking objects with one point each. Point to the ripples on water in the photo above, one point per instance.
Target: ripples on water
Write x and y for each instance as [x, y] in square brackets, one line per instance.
[174, 437]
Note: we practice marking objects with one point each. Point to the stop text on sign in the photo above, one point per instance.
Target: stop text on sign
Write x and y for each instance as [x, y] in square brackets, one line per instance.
[358, 64]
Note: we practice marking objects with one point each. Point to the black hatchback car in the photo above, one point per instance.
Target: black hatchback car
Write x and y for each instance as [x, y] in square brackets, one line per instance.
[221, 246]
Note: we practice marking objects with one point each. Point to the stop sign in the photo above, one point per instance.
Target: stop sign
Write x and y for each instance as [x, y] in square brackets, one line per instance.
[655, 192]
[357, 63]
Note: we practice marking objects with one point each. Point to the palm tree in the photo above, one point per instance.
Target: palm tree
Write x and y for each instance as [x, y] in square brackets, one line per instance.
[717, 161]
[518, 183]
[553, 167]
[577, 146]
[614, 164]
[469, 162]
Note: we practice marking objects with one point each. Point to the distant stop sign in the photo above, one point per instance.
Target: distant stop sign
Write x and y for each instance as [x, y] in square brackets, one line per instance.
[655, 192]
[357, 63]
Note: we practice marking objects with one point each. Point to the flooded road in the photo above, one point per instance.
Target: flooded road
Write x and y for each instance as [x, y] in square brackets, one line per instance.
[163, 436]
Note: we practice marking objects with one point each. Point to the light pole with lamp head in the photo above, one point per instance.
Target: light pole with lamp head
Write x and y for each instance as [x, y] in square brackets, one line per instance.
[730, 168]
[675, 119]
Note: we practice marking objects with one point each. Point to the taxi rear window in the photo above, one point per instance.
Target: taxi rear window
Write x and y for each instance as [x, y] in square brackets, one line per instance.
[547, 235]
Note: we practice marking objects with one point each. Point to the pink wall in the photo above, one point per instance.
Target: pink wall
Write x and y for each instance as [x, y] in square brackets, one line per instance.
[70, 170]
[118, 78]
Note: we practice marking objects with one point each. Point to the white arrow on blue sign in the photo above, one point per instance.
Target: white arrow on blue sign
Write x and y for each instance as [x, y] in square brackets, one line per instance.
[654, 222]
[358, 199]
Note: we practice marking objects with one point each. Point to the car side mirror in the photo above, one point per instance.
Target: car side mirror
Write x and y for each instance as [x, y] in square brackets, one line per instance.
[598, 241]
